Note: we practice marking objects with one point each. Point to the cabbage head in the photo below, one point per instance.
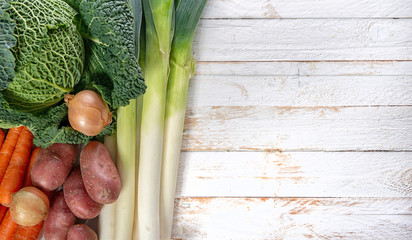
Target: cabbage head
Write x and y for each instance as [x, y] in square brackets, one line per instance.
[49, 54]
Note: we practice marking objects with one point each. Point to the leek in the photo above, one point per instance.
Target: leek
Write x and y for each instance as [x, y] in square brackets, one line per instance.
[182, 67]
[106, 221]
[159, 21]
[126, 150]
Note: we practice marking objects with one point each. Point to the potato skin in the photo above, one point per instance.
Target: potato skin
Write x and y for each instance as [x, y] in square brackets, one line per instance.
[59, 220]
[77, 198]
[58, 160]
[81, 231]
[100, 175]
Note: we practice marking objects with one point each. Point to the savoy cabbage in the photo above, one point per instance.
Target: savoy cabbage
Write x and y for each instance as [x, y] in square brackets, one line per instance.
[51, 47]
[49, 54]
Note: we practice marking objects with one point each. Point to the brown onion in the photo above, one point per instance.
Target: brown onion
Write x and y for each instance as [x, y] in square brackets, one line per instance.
[29, 206]
[88, 112]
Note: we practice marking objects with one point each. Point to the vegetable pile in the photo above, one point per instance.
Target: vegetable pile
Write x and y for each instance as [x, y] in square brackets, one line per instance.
[31, 197]
[48, 50]
[93, 100]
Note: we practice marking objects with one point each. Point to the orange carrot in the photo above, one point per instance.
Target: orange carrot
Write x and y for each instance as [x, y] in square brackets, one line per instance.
[8, 227]
[2, 136]
[27, 178]
[28, 233]
[7, 149]
[3, 211]
[33, 232]
[14, 176]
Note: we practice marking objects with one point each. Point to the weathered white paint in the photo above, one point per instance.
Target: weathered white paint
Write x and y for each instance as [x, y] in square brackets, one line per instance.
[303, 39]
[298, 128]
[289, 218]
[320, 68]
[295, 174]
[302, 76]
[299, 91]
[308, 9]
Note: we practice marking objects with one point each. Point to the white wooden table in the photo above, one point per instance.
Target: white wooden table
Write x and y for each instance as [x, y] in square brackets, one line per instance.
[299, 122]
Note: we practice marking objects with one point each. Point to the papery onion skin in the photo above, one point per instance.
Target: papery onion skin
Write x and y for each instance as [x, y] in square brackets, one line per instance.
[88, 112]
[29, 206]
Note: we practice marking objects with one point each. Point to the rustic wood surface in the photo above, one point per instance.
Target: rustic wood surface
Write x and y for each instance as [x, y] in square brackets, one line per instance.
[299, 122]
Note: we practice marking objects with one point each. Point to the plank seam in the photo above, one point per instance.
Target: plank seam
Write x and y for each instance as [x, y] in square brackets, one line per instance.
[311, 61]
[308, 18]
[304, 150]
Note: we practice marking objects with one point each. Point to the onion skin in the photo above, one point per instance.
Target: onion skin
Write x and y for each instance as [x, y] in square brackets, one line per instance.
[29, 206]
[88, 112]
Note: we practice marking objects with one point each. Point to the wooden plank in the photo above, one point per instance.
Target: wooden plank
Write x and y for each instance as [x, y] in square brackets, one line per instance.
[295, 174]
[232, 128]
[291, 218]
[303, 39]
[320, 68]
[234, 90]
[308, 9]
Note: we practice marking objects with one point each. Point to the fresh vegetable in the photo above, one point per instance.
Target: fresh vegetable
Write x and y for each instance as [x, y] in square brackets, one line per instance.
[88, 112]
[2, 136]
[59, 220]
[168, 65]
[159, 22]
[8, 227]
[182, 66]
[106, 220]
[81, 231]
[99, 174]
[29, 206]
[77, 198]
[8, 148]
[109, 66]
[27, 177]
[58, 159]
[3, 211]
[14, 175]
[28, 233]
[127, 150]
[126, 163]
[31, 232]
[49, 54]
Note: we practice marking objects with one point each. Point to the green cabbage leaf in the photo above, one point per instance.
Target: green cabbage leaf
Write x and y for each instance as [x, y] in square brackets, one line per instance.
[7, 41]
[112, 67]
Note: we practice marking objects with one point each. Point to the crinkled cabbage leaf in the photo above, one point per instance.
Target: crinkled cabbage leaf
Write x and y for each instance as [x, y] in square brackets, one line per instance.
[49, 54]
[7, 41]
[112, 67]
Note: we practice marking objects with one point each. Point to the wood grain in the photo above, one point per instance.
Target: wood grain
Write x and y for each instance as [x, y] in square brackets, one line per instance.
[233, 128]
[295, 174]
[299, 91]
[308, 9]
[299, 122]
[305, 68]
[293, 218]
[303, 39]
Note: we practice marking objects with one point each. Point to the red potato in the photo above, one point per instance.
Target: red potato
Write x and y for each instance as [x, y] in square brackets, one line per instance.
[81, 232]
[59, 220]
[100, 175]
[53, 165]
[77, 198]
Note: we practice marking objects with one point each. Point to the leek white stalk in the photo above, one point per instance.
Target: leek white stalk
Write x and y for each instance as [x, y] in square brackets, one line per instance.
[106, 221]
[127, 133]
[182, 67]
[126, 155]
[159, 16]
